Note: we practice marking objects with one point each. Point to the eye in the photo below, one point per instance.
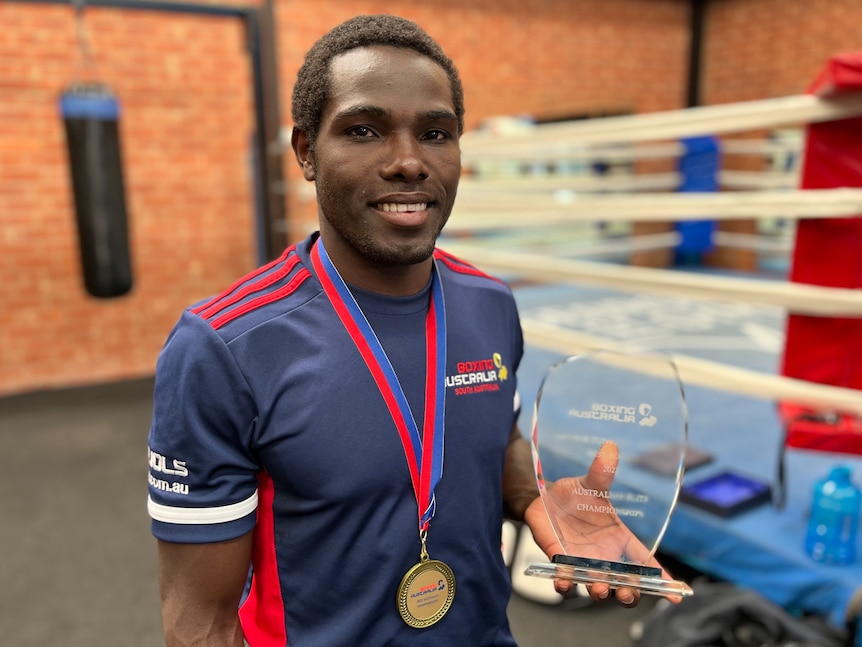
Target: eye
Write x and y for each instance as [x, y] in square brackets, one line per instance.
[436, 134]
[360, 132]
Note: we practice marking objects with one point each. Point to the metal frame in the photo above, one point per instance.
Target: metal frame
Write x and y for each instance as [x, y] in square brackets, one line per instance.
[268, 179]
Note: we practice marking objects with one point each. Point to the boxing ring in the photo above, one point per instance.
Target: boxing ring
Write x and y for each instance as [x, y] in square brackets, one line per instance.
[766, 356]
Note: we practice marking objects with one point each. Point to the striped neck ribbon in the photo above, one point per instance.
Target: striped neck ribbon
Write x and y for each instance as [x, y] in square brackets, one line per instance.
[424, 452]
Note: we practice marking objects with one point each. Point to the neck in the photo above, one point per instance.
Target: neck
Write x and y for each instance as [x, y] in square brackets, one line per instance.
[396, 281]
[391, 280]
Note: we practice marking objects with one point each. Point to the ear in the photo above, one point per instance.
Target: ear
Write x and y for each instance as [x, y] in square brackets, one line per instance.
[302, 150]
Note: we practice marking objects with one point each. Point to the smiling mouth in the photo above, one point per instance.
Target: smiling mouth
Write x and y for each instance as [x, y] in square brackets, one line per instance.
[393, 207]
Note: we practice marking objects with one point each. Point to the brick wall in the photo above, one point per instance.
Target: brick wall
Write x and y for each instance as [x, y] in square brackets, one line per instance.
[759, 49]
[184, 84]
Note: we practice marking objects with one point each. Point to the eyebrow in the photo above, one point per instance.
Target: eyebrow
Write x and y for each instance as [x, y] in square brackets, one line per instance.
[382, 113]
[361, 110]
[440, 114]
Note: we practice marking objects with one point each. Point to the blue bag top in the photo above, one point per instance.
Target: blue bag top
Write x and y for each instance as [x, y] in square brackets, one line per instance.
[89, 105]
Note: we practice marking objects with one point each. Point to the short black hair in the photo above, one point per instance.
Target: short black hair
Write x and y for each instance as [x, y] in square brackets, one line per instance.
[311, 92]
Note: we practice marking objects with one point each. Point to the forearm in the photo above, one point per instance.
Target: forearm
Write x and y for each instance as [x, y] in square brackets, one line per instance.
[201, 587]
[519, 478]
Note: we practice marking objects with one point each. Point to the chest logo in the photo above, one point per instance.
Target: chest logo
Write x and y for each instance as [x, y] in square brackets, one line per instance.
[482, 375]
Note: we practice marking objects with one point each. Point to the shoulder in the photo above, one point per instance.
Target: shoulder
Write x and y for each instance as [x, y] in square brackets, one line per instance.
[262, 295]
[469, 289]
[461, 272]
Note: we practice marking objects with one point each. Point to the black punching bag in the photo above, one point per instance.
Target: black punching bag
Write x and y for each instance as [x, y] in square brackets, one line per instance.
[91, 115]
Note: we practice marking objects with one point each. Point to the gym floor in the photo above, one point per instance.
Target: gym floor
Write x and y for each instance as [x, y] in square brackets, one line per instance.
[80, 564]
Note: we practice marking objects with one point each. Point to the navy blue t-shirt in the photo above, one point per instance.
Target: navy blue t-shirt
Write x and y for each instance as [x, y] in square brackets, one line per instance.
[266, 418]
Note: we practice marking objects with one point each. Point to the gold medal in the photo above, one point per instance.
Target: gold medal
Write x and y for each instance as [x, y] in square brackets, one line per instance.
[426, 593]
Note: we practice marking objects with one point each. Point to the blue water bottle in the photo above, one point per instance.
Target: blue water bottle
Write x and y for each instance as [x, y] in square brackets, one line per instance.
[834, 521]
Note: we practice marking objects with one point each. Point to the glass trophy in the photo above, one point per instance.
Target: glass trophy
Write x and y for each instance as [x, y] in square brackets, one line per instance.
[609, 437]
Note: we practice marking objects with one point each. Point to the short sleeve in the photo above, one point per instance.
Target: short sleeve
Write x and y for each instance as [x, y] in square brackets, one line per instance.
[202, 466]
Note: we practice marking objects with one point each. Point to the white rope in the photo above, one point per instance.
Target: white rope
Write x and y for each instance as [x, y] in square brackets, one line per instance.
[581, 244]
[795, 297]
[759, 180]
[763, 147]
[705, 373]
[509, 206]
[550, 183]
[578, 243]
[668, 125]
[515, 209]
[474, 155]
[752, 241]
[620, 182]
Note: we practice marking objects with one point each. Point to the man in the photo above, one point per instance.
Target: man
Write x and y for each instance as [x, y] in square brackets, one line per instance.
[300, 416]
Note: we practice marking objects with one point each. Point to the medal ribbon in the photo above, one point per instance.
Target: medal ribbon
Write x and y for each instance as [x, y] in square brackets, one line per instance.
[424, 452]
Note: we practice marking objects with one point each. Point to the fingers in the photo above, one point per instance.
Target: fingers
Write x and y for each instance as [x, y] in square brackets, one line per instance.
[639, 554]
[629, 598]
[601, 473]
[564, 587]
[625, 596]
[599, 591]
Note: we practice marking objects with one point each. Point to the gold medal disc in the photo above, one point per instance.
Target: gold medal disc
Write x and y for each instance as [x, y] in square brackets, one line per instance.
[426, 593]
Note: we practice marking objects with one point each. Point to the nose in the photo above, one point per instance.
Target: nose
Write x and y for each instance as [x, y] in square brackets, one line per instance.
[404, 159]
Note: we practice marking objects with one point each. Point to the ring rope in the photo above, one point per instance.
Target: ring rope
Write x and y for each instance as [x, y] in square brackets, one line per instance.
[752, 241]
[476, 211]
[534, 202]
[706, 373]
[508, 183]
[759, 180]
[798, 298]
[550, 183]
[582, 243]
[621, 152]
[669, 124]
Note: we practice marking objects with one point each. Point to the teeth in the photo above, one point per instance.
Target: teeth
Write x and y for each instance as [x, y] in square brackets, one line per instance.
[393, 207]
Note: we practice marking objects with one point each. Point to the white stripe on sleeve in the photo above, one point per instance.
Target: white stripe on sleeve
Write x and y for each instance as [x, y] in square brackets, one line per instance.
[218, 514]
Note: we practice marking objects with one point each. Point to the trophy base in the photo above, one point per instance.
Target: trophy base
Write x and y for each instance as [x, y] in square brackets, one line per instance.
[645, 579]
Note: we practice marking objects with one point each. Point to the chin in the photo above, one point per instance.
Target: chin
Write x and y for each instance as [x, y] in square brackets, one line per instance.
[396, 254]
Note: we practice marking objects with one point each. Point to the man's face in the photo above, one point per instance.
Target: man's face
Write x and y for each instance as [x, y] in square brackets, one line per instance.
[387, 159]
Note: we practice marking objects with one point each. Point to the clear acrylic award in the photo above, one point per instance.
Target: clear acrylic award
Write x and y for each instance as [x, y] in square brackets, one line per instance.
[609, 437]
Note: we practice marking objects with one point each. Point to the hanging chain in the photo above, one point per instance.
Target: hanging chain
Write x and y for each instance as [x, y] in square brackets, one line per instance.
[85, 61]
